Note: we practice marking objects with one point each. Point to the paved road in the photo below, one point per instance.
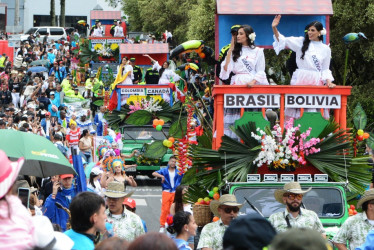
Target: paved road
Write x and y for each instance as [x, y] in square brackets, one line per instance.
[148, 201]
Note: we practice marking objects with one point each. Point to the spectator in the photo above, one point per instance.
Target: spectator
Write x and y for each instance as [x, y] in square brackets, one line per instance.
[154, 241]
[130, 205]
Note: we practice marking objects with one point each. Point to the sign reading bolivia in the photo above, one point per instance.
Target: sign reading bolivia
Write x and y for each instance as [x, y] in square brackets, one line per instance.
[252, 101]
[273, 101]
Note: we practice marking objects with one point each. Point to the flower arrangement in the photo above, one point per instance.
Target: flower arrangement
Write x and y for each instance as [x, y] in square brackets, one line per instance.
[107, 50]
[150, 105]
[284, 151]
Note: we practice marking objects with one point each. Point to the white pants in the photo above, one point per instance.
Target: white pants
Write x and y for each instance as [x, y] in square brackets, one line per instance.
[15, 99]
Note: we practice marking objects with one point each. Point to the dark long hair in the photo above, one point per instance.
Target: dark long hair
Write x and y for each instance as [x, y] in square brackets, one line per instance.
[91, 181]
[180, 219]
[238, 46]
[162, 69]
[306, 42]
[178, 199]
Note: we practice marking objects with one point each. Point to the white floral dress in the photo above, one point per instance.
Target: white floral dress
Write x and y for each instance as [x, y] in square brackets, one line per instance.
[312, 70]
[250, 65]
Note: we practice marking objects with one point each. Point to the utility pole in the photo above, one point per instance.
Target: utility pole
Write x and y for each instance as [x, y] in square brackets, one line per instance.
[16, 13]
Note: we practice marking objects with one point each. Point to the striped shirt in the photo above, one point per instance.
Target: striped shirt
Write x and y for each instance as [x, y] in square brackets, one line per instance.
[73, 137]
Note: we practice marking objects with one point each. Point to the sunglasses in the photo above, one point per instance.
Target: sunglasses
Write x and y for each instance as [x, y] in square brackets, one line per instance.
[294, 196]
[228, 210]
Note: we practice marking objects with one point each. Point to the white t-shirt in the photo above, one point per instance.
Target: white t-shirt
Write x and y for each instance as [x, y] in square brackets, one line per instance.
[172, 175]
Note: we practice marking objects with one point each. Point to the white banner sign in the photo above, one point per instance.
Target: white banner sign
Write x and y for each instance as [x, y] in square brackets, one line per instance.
[109, 41]
[252, 101]
[158, 91]
[313, 101]
[134, 91]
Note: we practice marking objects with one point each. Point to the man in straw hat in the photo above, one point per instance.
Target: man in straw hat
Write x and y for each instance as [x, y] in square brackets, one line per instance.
[294, 216]
[126, 224]
[227, 209]
[355, 228]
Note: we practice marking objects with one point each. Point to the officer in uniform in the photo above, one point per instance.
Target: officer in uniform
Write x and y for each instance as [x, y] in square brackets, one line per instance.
[113, 27]
[151, 76]
[138, 74]
[223, 53]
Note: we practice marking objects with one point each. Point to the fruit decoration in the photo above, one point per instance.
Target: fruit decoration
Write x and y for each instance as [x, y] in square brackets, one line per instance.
[215, 218]
[352, 210]
[207, 200]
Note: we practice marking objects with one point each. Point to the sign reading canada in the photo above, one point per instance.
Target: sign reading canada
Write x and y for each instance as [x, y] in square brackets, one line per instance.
[312, 101]
[158, 91]
[252, 101]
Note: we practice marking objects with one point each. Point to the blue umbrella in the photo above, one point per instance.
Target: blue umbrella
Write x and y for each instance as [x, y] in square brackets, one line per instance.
[37, 69]
[81, 184]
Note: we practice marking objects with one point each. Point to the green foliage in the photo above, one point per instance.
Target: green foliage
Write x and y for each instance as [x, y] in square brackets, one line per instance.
[276, 69]
[139, 118]
[178, 128]
[155, 150]
[116, 118]
[99, 102]
[359, 117]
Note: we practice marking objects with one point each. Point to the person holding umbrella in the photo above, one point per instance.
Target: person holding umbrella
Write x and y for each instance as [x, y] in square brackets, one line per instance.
[15, 220]
[62, 194]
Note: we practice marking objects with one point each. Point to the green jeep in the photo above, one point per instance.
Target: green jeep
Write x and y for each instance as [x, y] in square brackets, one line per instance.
[138, 138]
[327, 199]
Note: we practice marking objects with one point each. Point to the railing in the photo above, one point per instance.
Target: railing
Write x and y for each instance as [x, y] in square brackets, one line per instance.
[275, 97]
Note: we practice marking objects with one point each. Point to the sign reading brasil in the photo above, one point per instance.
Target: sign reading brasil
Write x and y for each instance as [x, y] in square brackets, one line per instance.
[273, 101]
[145, 91]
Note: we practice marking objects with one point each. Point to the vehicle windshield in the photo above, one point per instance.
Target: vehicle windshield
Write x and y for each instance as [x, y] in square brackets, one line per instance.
[31, 31]
[144, 133]
[326, 202]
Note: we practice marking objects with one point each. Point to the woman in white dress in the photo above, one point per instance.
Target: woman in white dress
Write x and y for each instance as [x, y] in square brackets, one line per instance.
[118, 30]
[167, 76]
[123, 69]
[247, 62]
[312, 59]
[98, 31]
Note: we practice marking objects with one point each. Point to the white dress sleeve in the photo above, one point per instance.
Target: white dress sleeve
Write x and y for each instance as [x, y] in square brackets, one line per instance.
[176, 77]
[156, 66]
[260, 75]
[130, 68]
[326, 72]
[293, 43]
[225, 74]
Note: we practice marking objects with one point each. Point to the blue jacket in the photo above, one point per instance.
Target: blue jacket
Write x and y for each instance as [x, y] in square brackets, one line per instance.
[369, 243]
[81, 241]
[55, 214]
[99, 125]
[167, 185]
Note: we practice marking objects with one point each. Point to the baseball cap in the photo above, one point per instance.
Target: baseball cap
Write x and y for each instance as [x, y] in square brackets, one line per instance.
[52, 93]
[130, 202]
[64, 176]
[48, 113]
[235, 28]
[96, 171]
[132, 59]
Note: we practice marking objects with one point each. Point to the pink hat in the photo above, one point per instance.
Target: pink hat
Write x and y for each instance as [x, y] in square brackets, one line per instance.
[8, 172]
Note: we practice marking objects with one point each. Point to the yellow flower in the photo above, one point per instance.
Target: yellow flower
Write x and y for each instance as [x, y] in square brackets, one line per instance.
[98, 46]
[114, 46]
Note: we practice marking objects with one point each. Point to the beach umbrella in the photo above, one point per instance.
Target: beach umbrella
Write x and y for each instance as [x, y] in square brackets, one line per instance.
[42, 157]
[38, 69]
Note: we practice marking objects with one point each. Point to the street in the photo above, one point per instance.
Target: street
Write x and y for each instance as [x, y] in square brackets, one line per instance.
[148, 201]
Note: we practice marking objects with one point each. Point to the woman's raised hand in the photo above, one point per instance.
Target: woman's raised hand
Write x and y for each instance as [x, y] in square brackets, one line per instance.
[232, 44]
[276, 21]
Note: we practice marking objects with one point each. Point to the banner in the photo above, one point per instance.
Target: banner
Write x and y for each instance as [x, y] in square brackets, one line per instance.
[145, 91]
[312, 101]
[97, 140]
[252, 101]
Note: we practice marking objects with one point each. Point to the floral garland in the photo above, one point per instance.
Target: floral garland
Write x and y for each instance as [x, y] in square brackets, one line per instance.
[284, 151]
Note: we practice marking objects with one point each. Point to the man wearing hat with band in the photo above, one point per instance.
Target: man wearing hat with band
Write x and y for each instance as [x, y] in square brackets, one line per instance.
[138, 74]
[355, 228]
[227, 209]
[294, 216]
[126, 224]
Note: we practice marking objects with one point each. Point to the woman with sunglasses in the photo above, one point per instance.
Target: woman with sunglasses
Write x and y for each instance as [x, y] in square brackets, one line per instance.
[184, 226]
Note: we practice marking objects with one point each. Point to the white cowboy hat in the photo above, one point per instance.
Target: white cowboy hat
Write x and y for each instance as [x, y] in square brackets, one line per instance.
[227, 200]
[291, 187]
[116, 189]
[368, 195]
[46, 238]
[8, 172]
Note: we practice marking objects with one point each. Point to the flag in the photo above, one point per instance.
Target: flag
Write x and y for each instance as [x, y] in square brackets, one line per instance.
[80, 179]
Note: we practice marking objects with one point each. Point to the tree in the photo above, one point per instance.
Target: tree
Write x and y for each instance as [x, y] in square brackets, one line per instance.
[354, 16]
[131, 8]
[53, 13]
[62, 14]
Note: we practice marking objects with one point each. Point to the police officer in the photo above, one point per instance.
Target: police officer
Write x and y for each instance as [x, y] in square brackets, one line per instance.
[138, 74]
[151, 76]
[113, 27]
[223, 53]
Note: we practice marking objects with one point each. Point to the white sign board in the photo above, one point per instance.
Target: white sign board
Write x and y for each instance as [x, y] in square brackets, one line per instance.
[313, 101]
[132, 91]
[158, 91]
[252, 101]
[14, 41]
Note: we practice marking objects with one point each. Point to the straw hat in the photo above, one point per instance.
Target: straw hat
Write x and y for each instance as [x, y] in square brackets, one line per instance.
[227, 200]
[291, 187]
[368, 196]
[8, 172]
[116, 189]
